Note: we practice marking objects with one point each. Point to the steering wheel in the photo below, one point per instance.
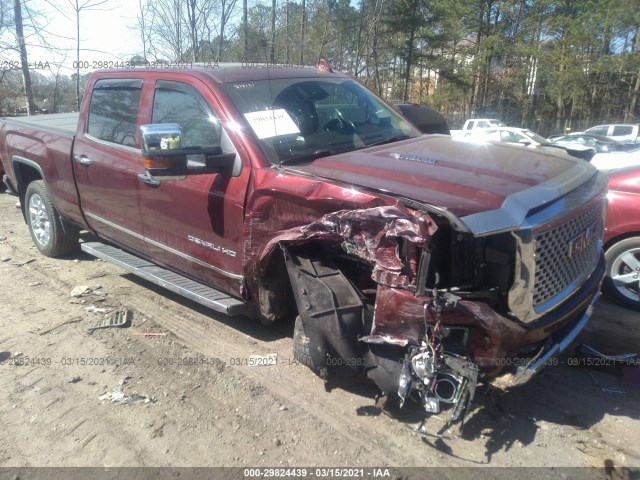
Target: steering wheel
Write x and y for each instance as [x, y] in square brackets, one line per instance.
[339, 124]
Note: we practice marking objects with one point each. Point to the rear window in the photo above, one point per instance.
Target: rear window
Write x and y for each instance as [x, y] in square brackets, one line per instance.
[114, 110]
[620, 130]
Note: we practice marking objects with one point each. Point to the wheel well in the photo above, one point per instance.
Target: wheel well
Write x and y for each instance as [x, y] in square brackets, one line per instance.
[275, 290]
[332, 307]
[25, 174]
[619, 238]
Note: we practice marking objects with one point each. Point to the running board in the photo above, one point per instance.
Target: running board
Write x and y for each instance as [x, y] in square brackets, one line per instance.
[202, 294]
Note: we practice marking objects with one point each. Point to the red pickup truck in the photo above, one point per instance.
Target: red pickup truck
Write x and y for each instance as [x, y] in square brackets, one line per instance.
[424, 263]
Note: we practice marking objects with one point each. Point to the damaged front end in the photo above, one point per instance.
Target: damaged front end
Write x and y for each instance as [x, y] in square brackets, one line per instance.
[359, 281]
[426, 308]
[434, 374]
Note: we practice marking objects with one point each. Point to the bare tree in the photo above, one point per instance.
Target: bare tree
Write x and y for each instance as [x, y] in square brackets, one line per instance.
[81, 6]
[145, 21]
[303, 20]
[272, 54]
[24, 61]
[226, 10]
[245, 28]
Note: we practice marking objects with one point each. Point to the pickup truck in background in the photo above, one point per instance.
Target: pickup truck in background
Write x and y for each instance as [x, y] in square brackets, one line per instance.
[477, 124]
[424, 263]
[622, 132]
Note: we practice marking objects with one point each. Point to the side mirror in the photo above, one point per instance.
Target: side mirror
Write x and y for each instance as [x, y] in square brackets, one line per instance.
[524, 141]
[165, 158]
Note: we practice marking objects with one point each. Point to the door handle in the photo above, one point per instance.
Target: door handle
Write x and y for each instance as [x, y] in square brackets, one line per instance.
[148, 179]
[82, 160]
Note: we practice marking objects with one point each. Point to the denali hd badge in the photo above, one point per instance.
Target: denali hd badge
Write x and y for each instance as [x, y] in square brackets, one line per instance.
[580, 242]
[212, 246]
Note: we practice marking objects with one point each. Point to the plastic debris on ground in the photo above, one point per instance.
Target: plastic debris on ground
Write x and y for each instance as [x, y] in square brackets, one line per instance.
[118, 319]
[118, 396]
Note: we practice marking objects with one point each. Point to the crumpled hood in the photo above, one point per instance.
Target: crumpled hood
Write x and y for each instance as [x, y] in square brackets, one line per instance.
[461, 177]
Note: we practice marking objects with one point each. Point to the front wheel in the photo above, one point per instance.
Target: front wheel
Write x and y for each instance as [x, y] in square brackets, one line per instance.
[622, 281]
[52, 236]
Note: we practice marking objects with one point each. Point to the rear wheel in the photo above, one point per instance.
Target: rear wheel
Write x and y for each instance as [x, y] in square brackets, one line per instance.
[622, 281]
[52, 236]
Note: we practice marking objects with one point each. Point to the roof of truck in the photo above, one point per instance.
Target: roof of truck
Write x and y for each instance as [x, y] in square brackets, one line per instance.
[234, 72]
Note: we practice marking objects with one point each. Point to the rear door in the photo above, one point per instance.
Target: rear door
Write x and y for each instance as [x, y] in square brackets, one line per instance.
[196, 224]
[107, 160]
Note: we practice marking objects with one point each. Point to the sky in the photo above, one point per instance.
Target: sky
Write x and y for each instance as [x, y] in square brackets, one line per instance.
[106, 34]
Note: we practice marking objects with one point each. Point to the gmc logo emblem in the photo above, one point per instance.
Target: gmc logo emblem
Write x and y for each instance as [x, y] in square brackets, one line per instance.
[581, 242]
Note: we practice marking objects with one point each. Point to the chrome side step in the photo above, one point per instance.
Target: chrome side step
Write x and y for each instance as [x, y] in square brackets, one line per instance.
[202, 294]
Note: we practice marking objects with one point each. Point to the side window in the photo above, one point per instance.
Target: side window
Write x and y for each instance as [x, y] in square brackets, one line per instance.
[620, 130]
[176, 102]
[113, 111]
[483, 125]
[599, 130]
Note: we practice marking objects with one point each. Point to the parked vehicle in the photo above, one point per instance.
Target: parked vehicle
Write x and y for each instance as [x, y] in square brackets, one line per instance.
[612, 160]
[477, 124]
[525, 138]
[596, 143]
[426, 119]
[423, 263]
[622, 132]
[622, 237]
[480, 123]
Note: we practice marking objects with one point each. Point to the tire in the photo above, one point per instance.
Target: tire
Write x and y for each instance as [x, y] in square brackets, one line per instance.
[50, 234]
[622, 279]
[301, 345]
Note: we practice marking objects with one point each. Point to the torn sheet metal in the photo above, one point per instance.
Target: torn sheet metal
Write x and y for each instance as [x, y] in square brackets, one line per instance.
[370, 234]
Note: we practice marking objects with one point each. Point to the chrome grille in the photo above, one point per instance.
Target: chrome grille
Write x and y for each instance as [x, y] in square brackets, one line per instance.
[556, 269]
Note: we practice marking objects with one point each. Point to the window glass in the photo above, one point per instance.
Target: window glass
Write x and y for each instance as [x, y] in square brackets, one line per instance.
[176, 102]
[113, 111]
[620, 130]
[300, 119]
[600, 130]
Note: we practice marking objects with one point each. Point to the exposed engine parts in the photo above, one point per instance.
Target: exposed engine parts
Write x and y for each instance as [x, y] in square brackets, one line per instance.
[434, 374]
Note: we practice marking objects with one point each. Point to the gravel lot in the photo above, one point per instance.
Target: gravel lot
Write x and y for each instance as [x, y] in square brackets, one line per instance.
[194, 402]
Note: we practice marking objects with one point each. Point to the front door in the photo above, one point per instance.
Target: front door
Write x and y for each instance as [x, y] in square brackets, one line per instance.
[195, 224]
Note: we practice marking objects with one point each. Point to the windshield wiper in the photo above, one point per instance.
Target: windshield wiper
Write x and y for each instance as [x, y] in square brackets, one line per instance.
[388, 140]
[306, 158]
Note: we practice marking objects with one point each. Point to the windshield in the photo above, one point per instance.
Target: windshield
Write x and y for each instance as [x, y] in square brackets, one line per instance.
[300, 119]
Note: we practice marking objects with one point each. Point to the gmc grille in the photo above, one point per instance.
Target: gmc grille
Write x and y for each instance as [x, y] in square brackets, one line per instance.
[558, 262]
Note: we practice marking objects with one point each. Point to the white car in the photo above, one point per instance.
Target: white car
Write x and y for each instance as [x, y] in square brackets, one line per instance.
[525, 138]
[612, 160]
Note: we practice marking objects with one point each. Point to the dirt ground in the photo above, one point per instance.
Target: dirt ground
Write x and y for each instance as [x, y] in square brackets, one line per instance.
[195, 403]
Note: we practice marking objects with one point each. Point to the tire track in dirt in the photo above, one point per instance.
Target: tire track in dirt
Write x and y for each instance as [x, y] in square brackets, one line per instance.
[215, 335]
[380, 436]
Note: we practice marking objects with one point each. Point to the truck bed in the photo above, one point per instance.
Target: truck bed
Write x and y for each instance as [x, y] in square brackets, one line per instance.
[61, 123]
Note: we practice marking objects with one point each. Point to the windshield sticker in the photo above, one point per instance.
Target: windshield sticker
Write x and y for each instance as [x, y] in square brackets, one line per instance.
[270, 123]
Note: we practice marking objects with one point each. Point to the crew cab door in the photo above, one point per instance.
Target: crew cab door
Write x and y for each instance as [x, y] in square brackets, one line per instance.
[195, 225]
[107, 160]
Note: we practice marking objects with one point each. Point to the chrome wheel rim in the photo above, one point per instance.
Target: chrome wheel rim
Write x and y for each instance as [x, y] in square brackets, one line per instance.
[39, 220]
[625, 274]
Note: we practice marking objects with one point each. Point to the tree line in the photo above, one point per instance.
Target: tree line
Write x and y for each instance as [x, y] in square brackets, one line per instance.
[549, 65]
